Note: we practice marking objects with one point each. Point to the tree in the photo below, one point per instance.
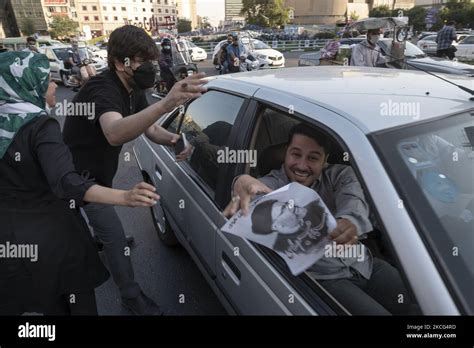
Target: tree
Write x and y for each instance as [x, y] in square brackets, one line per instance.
[271, 13]
[184, 25]
[28, 26]
[417, 17]
[381, 11]
[354, 16]
[205, 23]
[62, 26]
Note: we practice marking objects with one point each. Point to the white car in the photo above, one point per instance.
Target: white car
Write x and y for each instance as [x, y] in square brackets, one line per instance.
[97, 52]
[198, 54]
[466, 48]
[428, 44]
[58, 53]
[277, 59]
[420, 198]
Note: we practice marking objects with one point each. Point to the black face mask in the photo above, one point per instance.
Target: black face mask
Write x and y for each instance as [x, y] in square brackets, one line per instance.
[144, 75]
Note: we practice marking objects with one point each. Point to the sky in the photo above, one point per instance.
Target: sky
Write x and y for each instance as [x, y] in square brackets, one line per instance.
[214, 9]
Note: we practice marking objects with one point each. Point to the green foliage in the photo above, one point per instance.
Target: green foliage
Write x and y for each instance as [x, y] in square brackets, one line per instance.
[62, 27]
[266, 13]
[461, 11]
[28, 26]
[381, 11]
[184, 25]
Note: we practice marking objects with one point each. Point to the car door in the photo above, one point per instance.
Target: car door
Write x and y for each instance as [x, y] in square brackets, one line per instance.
[188, 189]
[255, 280]
[466, 48]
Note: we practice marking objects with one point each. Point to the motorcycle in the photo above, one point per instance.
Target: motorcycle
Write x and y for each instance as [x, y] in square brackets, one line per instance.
[182, 68]
[77, 76]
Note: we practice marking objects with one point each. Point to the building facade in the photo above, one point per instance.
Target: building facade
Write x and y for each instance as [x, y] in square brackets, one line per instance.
[332, 11]
[187, 9]
[232, 10]
[18, 15]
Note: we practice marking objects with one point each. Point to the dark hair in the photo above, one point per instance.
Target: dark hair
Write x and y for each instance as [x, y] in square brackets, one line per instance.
[130, 41]
[321, 138]
[262, 217]
[30, 38]
[451, 23]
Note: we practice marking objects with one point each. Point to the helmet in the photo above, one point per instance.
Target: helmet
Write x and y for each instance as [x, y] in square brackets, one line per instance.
[234, 35]
[165, 42]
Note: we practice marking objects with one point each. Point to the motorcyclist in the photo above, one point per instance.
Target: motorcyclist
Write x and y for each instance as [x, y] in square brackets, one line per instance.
[233, 54]
[74, 64]
[222, 58]
[166, 64]
[87, 70]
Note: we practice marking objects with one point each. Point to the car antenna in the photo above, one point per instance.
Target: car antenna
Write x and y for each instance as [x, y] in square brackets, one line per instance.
[465, 89]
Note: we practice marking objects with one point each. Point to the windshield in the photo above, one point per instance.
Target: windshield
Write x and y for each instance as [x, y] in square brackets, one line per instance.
[63, 53]
[430, 38]
[433, 164]
[259, 45]
[410, 49]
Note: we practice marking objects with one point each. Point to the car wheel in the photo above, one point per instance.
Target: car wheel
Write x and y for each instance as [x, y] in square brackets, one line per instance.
[161, 224]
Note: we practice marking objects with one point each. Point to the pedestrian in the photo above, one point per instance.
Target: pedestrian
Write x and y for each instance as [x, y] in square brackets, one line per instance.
[40, 198]
[166, 64]
[121, 114]
[445, 39]
[31, 45]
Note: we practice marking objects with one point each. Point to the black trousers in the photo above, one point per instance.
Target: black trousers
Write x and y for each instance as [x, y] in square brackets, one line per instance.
[448, 52]
[82, 303]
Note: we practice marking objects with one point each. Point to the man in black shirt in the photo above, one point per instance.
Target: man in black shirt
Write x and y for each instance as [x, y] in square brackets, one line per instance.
[111, 110]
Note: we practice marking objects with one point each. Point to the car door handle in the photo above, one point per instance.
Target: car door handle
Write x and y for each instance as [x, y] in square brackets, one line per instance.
[158, 172]
[230, 269]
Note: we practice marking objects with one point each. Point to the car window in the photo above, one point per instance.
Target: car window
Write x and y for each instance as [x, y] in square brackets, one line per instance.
[468, 41]
[259, 45]
[62, 53]
[430, 38]
[49, 54]
[207, 124]
[270, 137]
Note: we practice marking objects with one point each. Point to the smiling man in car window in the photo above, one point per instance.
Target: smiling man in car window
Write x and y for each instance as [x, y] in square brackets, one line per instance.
[364, 285]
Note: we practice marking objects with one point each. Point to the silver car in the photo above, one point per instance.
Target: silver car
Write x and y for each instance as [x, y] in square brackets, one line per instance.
[409, 138]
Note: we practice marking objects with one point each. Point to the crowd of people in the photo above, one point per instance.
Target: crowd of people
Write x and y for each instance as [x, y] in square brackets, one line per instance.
[47, 178]
[50, 179]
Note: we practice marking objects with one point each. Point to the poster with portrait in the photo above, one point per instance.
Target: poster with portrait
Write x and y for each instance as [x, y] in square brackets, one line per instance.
[293, 221]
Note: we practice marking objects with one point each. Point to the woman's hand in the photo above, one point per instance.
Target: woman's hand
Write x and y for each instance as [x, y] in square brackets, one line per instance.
[142, 195]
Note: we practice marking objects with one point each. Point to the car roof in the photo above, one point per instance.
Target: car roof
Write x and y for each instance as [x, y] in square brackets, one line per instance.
[358, 93]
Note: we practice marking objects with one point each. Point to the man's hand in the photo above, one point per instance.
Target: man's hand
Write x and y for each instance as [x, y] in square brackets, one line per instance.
[189, 88]
[245, 188]
[345, 232]
[187, 151]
